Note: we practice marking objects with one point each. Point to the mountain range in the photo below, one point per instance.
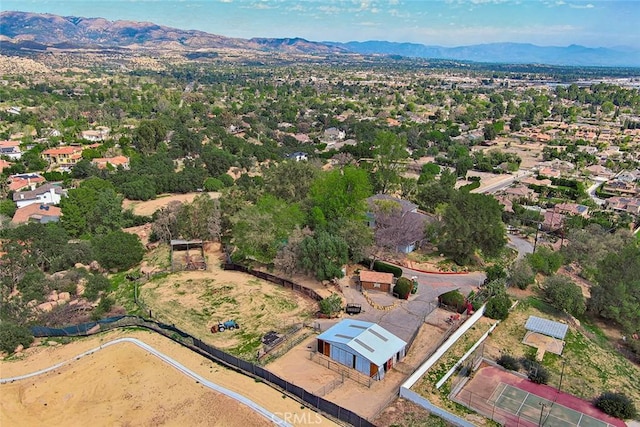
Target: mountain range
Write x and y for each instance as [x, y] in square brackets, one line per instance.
[23, 32]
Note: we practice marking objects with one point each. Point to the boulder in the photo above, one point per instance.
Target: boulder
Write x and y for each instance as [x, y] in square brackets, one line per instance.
[19, 349]
[80, 287]
[80, 265]
[64, 296]
[95, 266]
[46, 306]
[53, 296]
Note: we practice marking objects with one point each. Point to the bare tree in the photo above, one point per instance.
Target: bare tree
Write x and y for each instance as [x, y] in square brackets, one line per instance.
[165, 227]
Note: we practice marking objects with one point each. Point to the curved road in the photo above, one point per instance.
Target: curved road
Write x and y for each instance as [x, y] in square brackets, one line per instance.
[213, 386]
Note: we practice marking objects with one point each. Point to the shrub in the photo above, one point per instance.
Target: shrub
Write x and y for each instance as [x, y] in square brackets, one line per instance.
[452, 298]
[495, 272]
[538, 374]
[331, 304]
[403, 287]
[13, 335]
[508, 362]
[616, 404]
[213, 184]
[95, 284]
[382, 267]
[564, 295]
[498, 307]
[118, 250]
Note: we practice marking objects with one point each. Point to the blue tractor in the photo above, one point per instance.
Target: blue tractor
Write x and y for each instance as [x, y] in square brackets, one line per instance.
[223, 326]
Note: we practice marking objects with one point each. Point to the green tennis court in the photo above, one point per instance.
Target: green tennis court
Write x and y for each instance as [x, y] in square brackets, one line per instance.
[535, 408]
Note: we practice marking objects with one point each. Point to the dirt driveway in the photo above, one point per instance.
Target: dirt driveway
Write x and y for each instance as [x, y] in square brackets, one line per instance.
[148, 207]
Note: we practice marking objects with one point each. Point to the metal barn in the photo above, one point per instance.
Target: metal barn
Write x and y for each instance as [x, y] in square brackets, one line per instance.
[363, 346]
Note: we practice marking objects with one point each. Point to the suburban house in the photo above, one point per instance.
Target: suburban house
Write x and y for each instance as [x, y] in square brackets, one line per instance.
[36, 213]
[624, 204]
[4, 165]
[10, 149]
[573, 209]
[63, 156]
[47, 194]
[103, 162]
[363, 346]
[334, 134]
[376, 281]
[99, 134]
[397, 222]
[552, 221]
[25, 180]
[297, 156]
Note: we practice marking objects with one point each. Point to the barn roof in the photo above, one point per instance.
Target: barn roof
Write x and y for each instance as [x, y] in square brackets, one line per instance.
[375, 277]
[367, 339]
[546, 327]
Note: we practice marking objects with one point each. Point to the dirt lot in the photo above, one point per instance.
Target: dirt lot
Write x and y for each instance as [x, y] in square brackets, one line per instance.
[124, 385]
[150, 206]
[196, 300]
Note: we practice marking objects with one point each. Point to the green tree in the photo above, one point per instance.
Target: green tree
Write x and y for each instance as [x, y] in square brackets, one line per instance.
[545, 260]
[290, 180]
[260, 230]
[389, 161]
[94, 207]
[341, 194]
[118, 250]
[323, 255]
[565, 295]
[616, 295]
[472, 222]
[7, 208]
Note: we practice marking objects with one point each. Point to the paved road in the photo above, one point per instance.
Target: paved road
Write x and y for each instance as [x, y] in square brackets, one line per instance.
[591, 191]
[408, 316]
[503, 183]
[523, 246]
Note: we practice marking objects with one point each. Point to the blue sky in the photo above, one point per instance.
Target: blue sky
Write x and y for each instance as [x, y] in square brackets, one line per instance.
[596, 23]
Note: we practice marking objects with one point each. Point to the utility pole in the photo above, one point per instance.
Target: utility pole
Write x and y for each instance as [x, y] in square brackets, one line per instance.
[564, 362]
[543, 405]
[535, 242]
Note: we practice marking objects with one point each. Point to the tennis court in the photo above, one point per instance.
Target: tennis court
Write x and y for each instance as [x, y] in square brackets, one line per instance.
[540, 411]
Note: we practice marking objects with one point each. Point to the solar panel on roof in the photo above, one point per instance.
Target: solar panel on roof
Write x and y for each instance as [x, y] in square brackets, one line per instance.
[546, 327]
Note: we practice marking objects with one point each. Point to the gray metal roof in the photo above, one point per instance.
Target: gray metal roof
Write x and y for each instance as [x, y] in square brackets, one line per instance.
[367, 339]
[546, 327]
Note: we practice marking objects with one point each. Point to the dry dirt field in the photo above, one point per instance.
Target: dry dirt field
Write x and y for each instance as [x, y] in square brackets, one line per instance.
[196, 300]
[124, 385]
[150, 206]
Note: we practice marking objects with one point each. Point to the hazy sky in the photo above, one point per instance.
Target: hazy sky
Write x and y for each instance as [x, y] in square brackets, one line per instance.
[595, 23]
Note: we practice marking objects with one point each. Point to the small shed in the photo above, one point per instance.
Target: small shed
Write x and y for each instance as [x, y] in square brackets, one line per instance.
[545, 335]
[364, 346]
[546, 327]
[187, 255]
[374, 280]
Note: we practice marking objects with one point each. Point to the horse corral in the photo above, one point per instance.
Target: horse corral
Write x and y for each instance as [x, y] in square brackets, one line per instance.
[187, 255]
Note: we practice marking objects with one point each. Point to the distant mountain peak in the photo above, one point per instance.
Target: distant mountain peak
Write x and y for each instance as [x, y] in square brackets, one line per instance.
[24, 31]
